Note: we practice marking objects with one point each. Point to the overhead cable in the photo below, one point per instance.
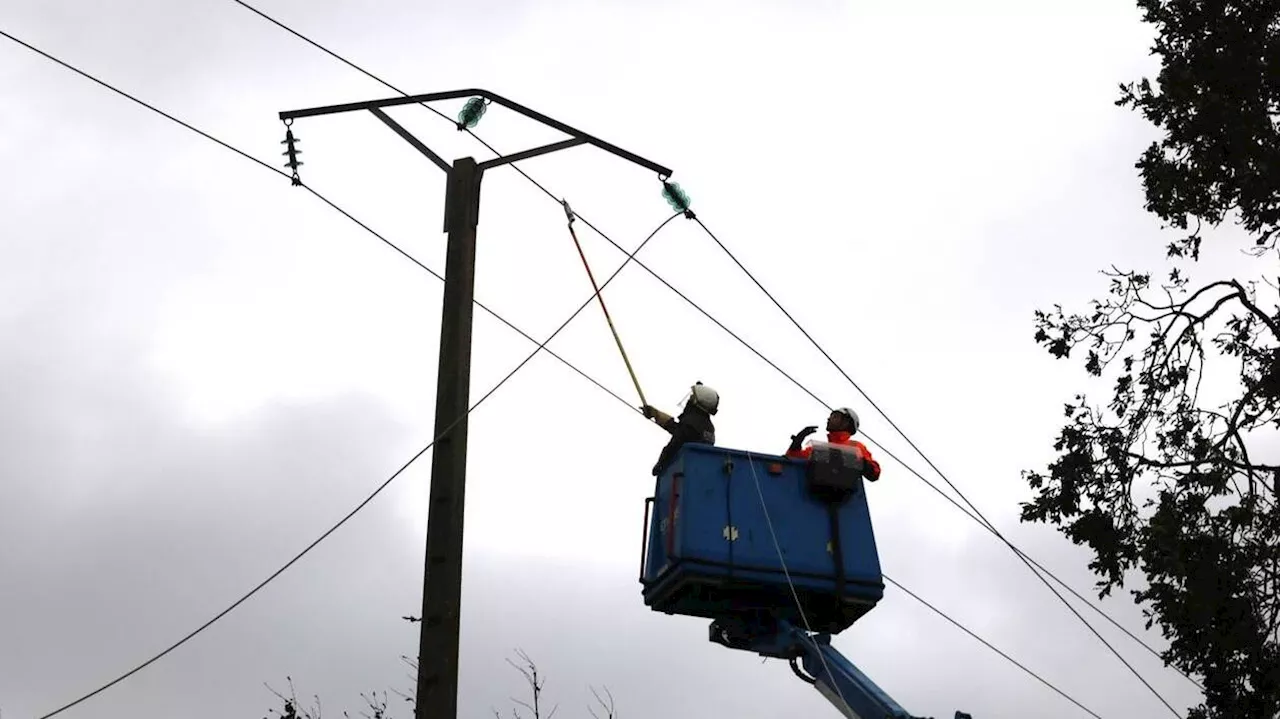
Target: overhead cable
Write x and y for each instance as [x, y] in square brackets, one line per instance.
[978, 517]
[541, 347]
[986, 523]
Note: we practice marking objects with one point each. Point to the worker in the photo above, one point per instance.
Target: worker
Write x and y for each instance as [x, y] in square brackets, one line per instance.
[842, 424]
[693, 424]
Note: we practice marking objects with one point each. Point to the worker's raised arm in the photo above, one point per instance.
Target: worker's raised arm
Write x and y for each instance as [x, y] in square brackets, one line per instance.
[797, 439]
[662, 419]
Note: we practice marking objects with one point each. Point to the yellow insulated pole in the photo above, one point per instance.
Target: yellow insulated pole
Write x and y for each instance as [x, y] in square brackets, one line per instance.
[569, 215]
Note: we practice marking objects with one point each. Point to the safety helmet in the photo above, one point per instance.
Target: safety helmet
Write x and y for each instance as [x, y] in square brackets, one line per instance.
[705, 398]
[853, 417]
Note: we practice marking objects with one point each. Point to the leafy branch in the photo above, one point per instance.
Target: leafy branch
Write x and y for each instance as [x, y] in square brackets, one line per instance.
[1164, 481]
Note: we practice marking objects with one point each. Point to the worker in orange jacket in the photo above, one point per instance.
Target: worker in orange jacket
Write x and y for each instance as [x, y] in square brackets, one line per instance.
[841, 426]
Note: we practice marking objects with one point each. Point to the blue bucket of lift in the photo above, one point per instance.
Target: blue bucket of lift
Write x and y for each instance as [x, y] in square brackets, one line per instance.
[732, 533]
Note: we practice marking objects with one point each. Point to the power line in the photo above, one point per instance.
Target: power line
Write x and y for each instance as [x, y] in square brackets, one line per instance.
[803, 618]
[747, 345]
[270, 578]
[982, 520]
[990, 646]
[840, 369]
[537, 184]
[479, 304]
[150, 107]
[541, 347]
[387, 482]
[319, 196]
[782, 561]
[986, 522]
[979, 518]
[587, 222]
[360, 506]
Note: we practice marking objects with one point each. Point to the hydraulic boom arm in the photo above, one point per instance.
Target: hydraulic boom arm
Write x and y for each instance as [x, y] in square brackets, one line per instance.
[829, 671]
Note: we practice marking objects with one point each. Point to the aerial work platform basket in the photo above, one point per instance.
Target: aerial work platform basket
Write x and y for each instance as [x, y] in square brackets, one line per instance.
[730, 533]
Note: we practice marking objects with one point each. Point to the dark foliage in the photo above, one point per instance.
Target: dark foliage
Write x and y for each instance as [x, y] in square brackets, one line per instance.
[1166, 479]
[1216, 101]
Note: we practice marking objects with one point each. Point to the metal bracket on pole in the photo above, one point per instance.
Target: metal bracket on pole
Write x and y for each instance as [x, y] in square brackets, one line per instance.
[508, 159]
[578, 136]
[411, 139]
[460, 185]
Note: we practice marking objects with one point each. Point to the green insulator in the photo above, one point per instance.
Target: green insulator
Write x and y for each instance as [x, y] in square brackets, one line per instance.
[675, 196]
[472, 112]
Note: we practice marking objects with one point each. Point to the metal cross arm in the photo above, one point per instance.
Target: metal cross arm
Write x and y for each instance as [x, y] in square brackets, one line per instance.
[411, 139]
[508, 159]
[578, 137]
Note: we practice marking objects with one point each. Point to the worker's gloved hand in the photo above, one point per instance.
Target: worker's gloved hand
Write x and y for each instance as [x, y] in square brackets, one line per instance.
[649, 412]
[804, 433]
[798, 437]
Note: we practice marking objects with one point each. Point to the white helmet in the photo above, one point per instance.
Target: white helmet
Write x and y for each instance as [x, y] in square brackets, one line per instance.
[853, 417]
[705, 398]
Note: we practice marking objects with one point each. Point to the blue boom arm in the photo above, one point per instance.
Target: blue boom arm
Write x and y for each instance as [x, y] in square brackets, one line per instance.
[830, 672]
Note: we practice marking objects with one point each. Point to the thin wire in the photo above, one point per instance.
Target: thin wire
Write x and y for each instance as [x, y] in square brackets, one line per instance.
[795, 595]
[479, 304]
[885, 450]
[981, 521]
[537, 184]
[985, 522]
[541, 347]
[990, 646]
[363, 504]
[768, 520]
[301, 554]
[150, 107]
[1042, 568]
[367, 500]
[491, 312]
[331, 53]
[318, 195]
[840, 369]
[360, 506]
[980, 518]
[273, 575]
[598, 231]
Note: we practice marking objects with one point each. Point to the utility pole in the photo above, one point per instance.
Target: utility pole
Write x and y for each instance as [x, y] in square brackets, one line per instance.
[442, 574]
[437, 691]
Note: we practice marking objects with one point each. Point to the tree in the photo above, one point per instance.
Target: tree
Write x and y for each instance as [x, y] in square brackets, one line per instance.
[1176, 477]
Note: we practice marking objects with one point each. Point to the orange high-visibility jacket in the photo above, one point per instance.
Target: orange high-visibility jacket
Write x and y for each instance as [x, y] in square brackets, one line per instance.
[846, 439]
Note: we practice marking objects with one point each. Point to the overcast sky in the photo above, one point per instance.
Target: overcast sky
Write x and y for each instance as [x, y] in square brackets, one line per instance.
[203, 367]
